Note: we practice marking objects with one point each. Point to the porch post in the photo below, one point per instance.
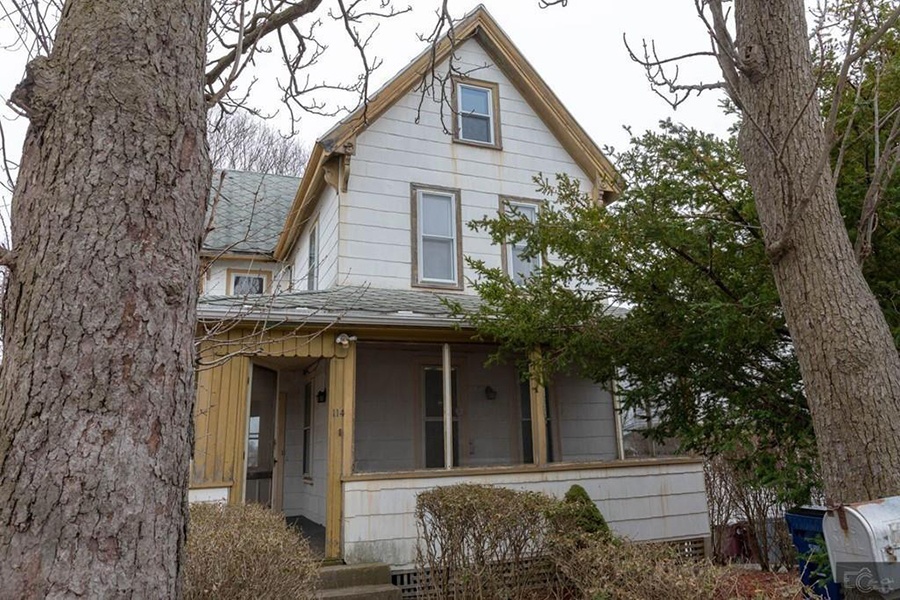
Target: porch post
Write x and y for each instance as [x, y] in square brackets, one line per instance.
[334, 499]
[538, 408]
[448, 408]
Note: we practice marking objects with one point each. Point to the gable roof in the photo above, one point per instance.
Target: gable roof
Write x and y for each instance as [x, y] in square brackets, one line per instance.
[480, 25]
[247, 211]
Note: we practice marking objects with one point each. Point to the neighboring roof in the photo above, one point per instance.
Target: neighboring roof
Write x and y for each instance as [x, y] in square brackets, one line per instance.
[480, 25]
[345, 304]
[248, 211]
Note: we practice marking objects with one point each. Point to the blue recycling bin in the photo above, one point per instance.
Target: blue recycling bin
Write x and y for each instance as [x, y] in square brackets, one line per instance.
[805, 524]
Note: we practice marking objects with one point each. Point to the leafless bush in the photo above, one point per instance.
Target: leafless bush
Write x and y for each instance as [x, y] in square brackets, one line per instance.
[481, 542]
[719, 502]
[599, 566]
[486, 542]
[246, 552]
[734, 496]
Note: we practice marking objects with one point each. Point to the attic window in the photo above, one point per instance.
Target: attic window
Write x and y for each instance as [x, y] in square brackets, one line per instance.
[477, 108]
[246, 283]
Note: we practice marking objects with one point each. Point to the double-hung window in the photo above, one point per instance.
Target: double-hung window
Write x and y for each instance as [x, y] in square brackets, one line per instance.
[437, 238]
[520, 268]
[477, 113]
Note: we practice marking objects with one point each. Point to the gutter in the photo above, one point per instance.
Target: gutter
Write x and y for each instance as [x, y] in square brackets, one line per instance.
[321, 317]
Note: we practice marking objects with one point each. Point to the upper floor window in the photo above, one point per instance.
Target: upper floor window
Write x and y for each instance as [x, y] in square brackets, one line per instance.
[437, 247]
[477, 113]
[518, 267]
[312, 273]
[245, 283]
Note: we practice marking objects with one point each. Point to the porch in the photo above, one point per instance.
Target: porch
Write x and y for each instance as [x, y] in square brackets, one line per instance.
[344, 428]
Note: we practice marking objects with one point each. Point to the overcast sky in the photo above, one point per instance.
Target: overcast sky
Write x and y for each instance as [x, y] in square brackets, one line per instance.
[578, 50]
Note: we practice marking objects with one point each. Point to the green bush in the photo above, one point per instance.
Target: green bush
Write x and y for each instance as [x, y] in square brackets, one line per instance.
[246, 552]
[577, 513]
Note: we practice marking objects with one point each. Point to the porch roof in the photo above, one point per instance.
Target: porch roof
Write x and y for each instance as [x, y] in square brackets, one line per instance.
[346, 304]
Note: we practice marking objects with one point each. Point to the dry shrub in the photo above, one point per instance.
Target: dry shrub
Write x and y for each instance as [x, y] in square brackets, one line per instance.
[246, 552]
[481, 542]
[601, 567]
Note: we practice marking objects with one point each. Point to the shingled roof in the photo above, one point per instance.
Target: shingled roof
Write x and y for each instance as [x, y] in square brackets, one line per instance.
[346, 304]
[250, 211]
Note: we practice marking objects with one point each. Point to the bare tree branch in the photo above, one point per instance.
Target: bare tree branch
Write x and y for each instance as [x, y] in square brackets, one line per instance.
[654, 67]
[260, 26]
[884, 171]
[243, 142]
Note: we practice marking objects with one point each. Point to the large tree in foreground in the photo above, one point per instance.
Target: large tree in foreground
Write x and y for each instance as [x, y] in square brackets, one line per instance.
[96, 383]
[97, 374]
[847, 357]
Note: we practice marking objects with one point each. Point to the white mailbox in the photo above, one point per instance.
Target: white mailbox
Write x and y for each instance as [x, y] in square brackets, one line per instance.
[864, 545]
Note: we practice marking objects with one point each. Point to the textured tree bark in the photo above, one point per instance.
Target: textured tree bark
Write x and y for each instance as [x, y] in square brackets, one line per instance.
[96, 384]
[850, 366]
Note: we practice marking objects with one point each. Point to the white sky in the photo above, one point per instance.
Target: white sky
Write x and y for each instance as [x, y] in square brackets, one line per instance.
[578, 50]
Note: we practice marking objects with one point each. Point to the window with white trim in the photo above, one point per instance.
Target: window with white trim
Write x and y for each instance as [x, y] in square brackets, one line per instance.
[246, 282]
[437, 237]
[520, 268]
[475, 113]
[312, 273]
[476, 106]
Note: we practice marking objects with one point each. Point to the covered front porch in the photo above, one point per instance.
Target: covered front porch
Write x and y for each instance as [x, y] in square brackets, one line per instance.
[343, 427]
[434, 412]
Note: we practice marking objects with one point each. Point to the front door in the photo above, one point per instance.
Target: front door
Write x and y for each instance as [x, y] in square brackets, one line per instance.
[261, 436]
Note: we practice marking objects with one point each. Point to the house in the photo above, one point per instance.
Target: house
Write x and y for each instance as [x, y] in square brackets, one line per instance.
[335, 384]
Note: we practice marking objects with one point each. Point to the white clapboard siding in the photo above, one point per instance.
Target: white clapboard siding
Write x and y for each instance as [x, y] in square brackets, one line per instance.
[395, 151]
[215, 277]
[642, 502]
[326, 214]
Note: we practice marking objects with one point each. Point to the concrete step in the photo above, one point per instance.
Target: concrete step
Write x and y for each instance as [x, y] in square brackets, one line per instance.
[383, 591]
[345, 576]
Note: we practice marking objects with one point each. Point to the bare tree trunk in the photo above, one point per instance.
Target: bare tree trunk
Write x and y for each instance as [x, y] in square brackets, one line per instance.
[850, 366]
[96, 384]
